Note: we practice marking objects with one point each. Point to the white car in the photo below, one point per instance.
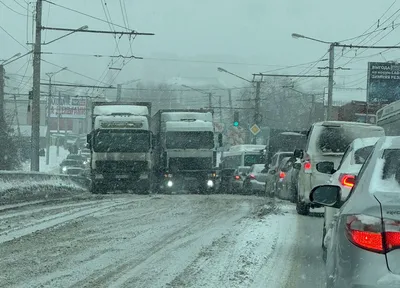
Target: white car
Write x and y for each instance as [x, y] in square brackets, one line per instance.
[326, 144]
[353, 159]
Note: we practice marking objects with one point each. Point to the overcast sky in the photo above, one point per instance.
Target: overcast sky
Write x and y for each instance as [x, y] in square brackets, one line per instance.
[242, 36]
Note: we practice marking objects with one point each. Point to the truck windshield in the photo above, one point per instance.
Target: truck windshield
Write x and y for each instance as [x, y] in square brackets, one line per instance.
[121, 141]
[190, 140]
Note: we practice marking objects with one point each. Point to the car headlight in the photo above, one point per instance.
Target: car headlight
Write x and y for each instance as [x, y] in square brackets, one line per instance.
[64, 169]
[210, 183]
[85, 162]
[169, 183]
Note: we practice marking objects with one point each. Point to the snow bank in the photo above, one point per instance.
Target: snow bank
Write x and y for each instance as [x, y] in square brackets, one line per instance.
[389, 279]
[22, 191]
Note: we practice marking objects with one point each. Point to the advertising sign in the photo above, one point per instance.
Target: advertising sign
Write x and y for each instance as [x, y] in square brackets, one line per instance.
[69, 108]
[383, 82]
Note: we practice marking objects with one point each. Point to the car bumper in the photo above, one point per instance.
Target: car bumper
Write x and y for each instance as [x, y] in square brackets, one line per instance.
[257, 186]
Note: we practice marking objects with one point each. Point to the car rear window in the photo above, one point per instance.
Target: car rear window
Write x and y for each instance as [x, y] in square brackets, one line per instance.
[258, 168]
[362, 154]
[336, 139]
[250, 160]
[391, 168]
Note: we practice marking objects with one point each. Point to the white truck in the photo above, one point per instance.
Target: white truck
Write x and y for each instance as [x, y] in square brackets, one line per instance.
[185, 151]
[121, 144]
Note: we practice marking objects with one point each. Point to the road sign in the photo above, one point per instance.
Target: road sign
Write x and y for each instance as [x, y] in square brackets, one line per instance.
[255, 129]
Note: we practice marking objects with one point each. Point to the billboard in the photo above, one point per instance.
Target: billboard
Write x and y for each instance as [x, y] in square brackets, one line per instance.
[383, 82]
[70, 107]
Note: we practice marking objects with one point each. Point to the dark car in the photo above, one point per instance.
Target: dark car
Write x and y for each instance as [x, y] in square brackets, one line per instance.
[273, 172]
[69, 163]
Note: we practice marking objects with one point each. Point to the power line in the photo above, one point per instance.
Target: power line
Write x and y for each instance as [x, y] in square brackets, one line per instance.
[84, 14]
[12, 37]
[14, 10]
[74, 72]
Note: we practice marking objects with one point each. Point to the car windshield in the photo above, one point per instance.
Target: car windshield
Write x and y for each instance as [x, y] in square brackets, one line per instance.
[190, 140]
[121, 141]
[336, 139]
[360, 155]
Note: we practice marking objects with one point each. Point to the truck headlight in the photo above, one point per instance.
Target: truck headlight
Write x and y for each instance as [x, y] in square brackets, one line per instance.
[169, 183]
[64, 169]
[210, 183]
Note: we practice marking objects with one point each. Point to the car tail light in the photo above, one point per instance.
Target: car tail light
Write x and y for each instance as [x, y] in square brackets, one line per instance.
[251, 176]
[237, 177]
[282, 175]
[347, 180]
[307, 167]
[373, 234]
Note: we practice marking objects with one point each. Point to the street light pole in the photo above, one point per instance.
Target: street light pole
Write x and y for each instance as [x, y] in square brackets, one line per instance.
[329, 113]
[49, 100]
[330, 80]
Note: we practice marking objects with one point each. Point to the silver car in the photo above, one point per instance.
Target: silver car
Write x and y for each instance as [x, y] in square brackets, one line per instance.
[254, 183]
[363, 244]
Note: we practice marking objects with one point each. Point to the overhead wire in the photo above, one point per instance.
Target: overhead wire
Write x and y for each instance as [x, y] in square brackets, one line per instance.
[5, 31]
[13, 9]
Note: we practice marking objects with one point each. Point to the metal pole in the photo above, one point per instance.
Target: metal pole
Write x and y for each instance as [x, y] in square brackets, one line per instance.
[58, 123]
[220, 109]
[119, 87]
[36, 90]
[257, 115]
[330, 80]
[48, 125]
[311, 119]
[17, 116]
[2, 118]
[209, 100]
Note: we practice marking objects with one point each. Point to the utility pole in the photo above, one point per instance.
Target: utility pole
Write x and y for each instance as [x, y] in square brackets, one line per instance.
[210, 100]
[35, 137]
[257, 114]
[119, 88]
[330, 80]
[17, 116]
[2, 118]
[220, 110]
[58, 123]
[48, 124]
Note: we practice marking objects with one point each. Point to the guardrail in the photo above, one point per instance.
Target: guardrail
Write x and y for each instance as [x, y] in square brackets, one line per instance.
[41, 176]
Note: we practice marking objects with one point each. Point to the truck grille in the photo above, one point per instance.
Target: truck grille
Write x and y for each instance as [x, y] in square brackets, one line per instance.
[190, 163]
[121, 166]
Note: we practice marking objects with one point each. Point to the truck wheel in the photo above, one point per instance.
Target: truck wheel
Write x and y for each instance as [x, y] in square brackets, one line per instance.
[302, 208]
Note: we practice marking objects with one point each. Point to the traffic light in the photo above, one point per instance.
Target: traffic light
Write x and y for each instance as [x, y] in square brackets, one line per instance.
[236, 119]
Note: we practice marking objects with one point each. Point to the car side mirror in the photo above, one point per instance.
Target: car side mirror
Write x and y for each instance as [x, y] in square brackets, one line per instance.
[326, 167]
[326, 195]
[220, 140]
[297, 166]
[298, 153]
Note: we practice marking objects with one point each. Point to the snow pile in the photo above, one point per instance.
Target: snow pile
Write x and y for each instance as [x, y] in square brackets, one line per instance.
[389, 279]
[54, 161]
[29, 190]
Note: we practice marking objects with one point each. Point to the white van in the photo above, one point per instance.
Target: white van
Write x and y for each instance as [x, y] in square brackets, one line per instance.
[326, 144]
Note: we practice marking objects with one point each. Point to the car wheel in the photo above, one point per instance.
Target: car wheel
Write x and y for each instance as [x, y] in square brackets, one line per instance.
[302, 208]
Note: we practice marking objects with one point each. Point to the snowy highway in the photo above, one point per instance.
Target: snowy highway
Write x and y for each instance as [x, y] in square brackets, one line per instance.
[160, 241]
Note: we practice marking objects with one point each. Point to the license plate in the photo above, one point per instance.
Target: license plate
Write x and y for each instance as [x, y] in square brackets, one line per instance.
[122, 176]
[145, 176]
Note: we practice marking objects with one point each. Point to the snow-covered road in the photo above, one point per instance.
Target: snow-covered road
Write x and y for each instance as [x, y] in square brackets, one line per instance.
[159, 241]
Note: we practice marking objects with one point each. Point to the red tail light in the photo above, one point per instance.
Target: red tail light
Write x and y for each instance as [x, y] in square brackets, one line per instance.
[366, 232]
[347, 180]
[307, 166]
[282, 175]
[251, 176]
[237, 177]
